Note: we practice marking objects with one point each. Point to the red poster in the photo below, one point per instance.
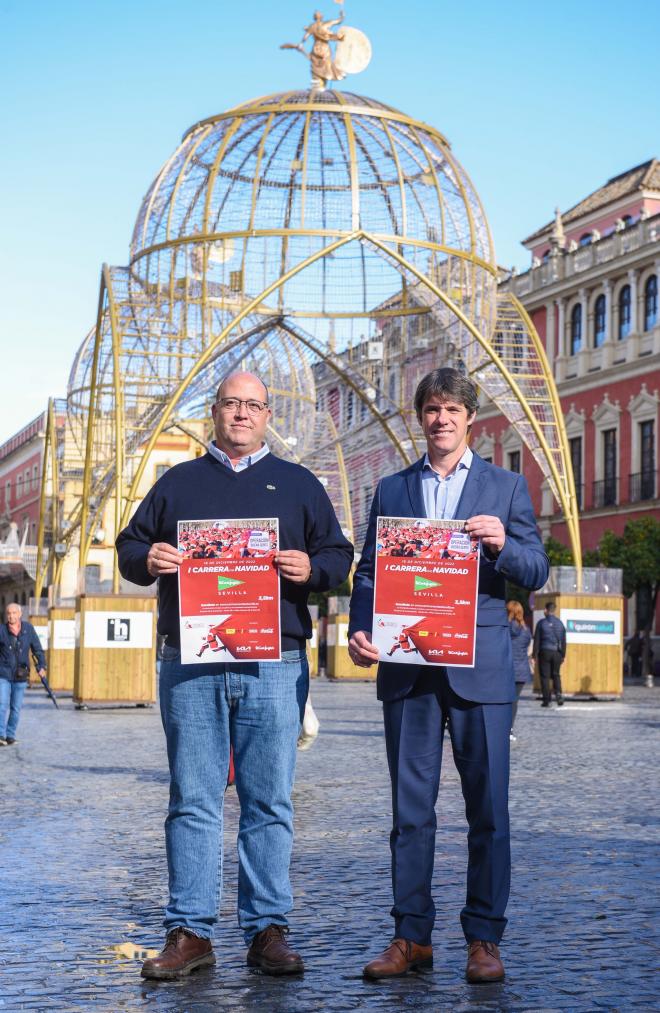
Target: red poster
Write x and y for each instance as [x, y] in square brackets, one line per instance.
[425, 596]
[229, 591]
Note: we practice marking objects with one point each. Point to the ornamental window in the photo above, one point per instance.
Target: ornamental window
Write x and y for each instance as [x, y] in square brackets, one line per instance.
[600, 310]
[576, 329]
[651, 302]
[625, 307]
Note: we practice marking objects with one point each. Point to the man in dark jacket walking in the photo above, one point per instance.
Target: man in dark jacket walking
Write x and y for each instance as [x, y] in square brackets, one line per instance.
[550, 651]
[17, 640]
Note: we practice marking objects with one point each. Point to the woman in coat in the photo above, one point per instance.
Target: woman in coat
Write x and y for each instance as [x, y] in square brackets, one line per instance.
[521, 646]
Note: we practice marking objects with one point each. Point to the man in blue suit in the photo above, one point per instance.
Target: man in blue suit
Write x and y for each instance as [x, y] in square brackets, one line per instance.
[451, 481]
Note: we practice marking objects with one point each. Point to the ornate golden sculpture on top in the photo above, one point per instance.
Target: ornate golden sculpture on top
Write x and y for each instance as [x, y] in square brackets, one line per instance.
[353, 51]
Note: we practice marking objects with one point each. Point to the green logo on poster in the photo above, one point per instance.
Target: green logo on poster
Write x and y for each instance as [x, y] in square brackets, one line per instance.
[224, 582]
[421, 583]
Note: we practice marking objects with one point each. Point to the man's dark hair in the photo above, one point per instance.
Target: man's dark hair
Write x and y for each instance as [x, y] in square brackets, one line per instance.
[550, 606]
[449, 385]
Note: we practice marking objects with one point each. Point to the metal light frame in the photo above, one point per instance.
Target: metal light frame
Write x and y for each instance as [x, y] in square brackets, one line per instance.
[374, 209]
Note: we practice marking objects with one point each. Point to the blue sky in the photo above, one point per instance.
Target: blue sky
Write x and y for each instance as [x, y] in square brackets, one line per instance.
[541, 103]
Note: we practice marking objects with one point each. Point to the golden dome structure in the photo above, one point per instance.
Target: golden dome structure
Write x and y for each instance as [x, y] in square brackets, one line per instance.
[334, 246]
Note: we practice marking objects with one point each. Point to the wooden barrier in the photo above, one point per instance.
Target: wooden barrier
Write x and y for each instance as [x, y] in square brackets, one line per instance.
[340, 665]
[61, 648]
[42, 629]
[313, 652]
[116, 650]
[313, 644]
[594, 642]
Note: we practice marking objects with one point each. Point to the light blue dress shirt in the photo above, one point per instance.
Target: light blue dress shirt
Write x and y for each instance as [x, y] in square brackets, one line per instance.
[441, 495]
[243, 462]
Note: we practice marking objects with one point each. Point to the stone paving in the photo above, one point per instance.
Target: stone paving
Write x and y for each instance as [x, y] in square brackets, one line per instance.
[82, 807]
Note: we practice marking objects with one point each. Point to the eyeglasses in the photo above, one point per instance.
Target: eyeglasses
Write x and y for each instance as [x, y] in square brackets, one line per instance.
[233, 404]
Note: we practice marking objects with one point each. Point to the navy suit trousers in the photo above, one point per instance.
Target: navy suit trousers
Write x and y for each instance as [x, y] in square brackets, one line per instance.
[414, 729]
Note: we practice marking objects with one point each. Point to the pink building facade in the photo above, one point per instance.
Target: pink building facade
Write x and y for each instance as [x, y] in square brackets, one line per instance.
[593, 294]
[21, 461]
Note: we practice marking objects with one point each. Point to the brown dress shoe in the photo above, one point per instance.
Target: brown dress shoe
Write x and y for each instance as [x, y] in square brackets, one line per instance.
[182, 953]
[484, 964]
[271, 952]
[401, 956]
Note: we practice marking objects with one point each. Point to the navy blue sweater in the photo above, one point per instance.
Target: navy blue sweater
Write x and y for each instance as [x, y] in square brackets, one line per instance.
[206, 489]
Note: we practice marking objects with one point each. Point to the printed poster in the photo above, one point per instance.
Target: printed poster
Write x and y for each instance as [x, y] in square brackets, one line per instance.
[425, 595]
[229, 591]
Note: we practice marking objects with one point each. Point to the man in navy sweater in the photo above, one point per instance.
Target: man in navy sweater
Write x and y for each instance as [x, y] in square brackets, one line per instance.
[255, 707]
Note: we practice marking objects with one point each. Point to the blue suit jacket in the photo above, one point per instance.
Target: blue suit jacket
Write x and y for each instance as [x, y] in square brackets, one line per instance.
[488, 490]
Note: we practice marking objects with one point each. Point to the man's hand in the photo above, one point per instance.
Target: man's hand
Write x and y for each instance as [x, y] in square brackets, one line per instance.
[361, 651]
[294, 565]
[163, 558]
[490, 530]
[41, 673]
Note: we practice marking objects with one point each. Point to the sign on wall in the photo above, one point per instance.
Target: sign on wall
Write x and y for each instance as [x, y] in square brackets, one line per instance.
[591, 626]
[118, 629]
[64, 634]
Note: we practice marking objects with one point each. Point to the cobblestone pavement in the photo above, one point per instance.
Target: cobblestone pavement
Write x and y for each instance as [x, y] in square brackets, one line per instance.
[82, 807]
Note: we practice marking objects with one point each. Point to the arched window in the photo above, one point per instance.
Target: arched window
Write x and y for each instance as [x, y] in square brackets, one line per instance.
[651, 302]
[546, 257]
[585, 239]
[350, 404]
[624, 312]
[599, 321]
[576, 329]
[627, 220]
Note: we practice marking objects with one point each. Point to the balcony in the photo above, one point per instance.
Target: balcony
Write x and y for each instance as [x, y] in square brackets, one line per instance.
[605, 492]
[641, 486]
[573, 264]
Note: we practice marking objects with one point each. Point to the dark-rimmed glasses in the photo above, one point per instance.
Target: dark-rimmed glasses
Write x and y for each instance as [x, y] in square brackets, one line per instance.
[233, 404]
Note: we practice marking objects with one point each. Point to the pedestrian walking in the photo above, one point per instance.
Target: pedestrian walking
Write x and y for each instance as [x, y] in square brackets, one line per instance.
[254, 707]
[633, 649]
[550, 651]
[18, 639]
[451, 481]
[521, 648]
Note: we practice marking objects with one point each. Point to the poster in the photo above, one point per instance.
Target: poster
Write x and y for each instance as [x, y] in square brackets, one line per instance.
[229, 591]
[425, 595]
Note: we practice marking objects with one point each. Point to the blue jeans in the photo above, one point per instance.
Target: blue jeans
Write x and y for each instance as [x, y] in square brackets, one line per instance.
[11, 701]
[257, 707]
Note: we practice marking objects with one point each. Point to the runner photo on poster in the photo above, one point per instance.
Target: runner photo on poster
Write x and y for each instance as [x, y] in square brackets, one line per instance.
[425, 595]
[229, 591]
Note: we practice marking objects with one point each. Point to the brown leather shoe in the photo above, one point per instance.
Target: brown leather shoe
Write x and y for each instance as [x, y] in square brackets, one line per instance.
[271, 952]
[484, 964]
[401, 956]
[182, 953]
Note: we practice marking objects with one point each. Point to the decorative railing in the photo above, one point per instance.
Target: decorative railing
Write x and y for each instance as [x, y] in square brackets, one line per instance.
[641, 486]
[605, 492]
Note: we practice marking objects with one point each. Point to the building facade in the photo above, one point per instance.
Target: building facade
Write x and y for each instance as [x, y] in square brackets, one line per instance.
[21, 459]
[592, 294]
